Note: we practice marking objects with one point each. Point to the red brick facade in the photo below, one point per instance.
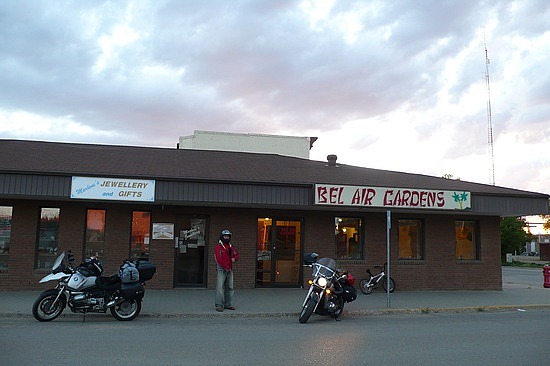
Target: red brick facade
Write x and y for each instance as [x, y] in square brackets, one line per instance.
[439, 270]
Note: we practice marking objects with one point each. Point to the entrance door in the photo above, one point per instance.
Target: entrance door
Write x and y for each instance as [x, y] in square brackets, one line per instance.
[278, 259]
[189, 261]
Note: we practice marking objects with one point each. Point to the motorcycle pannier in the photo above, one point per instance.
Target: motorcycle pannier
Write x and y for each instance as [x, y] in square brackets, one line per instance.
[146, 270]
[350, 293]
[132, 290]
[128, 272]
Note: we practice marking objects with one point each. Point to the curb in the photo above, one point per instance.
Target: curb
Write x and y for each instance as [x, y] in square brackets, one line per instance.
[348, 314]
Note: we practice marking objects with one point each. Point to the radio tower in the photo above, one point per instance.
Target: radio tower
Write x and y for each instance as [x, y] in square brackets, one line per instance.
[489, 118]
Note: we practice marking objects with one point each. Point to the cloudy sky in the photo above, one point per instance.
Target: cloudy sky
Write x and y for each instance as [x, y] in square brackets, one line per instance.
[397, 85]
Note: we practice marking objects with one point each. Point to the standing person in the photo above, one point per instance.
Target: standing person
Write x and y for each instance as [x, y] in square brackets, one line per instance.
[225, 255]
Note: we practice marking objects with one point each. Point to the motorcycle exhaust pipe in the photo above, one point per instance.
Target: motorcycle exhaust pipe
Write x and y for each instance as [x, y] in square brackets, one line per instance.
[115, 301]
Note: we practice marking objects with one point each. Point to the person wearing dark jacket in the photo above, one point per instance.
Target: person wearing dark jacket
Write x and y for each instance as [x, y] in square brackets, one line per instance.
[225, 255]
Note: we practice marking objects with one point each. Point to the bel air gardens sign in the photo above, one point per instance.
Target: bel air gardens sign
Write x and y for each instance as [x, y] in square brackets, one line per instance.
[338, 195]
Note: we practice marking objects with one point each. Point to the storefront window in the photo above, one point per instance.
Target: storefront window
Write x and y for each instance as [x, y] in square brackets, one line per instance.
[348, 238]
[48, 237]
[410, 239]
[141, 234]
[95, 233]
[279, 244]
[5, 234]
[466, 240]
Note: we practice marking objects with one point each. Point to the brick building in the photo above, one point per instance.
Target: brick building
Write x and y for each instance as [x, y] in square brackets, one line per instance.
[169, 205]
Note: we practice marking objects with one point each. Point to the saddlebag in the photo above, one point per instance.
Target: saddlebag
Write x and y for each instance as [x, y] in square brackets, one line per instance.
[349, 294]
[132, 290]
[146, 270]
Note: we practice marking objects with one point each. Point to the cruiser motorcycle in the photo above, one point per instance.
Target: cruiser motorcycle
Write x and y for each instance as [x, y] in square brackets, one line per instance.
[84, 290]
[329, 289]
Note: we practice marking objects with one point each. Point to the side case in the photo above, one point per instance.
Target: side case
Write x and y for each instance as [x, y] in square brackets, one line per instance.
[132, 290]
[146, 270]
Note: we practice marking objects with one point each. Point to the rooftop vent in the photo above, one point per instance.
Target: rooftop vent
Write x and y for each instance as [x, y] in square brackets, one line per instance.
[331, 159]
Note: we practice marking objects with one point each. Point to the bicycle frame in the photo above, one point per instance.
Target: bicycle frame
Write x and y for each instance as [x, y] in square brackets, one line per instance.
[379, 276]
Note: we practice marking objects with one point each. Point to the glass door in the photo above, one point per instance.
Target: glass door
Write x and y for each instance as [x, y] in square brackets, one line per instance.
[279, 246]
[189, 266]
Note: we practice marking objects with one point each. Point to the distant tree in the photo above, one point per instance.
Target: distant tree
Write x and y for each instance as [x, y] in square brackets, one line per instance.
[512, 235]
[449, 176]
[546, 224]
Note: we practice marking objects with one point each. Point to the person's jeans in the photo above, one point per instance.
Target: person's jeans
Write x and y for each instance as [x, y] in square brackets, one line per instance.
[224, 288]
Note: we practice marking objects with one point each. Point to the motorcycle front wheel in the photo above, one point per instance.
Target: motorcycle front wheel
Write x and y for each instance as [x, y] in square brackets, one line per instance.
[385, 284]
[46, 309]
[365, 287]
[339, 308]
[307, 310]
[127, 310]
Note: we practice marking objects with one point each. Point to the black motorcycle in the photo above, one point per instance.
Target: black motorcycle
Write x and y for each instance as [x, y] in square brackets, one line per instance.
[84, 290]
[329, 289]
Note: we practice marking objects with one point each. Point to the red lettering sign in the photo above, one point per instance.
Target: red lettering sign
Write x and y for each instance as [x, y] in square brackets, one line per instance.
[322, 194]
[335, 195]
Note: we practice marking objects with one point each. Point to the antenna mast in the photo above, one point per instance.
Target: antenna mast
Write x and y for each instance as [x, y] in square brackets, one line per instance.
[489, 116]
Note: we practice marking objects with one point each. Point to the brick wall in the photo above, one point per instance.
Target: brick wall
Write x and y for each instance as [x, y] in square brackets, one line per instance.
[439, 270]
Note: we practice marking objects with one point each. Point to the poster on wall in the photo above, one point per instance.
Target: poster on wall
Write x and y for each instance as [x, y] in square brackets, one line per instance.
[163, 231]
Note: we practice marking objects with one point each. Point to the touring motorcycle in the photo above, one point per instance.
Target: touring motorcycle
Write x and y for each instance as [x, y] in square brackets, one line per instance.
[84, 290]
[329, 289]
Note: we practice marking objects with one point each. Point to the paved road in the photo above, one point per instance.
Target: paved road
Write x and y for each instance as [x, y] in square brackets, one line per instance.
[498, 338]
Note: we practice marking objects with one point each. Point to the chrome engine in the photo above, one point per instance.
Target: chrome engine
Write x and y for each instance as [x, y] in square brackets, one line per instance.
[87, 301]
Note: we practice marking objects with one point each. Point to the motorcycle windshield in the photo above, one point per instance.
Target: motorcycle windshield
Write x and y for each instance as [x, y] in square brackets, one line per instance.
[58, 261]
[327, 266]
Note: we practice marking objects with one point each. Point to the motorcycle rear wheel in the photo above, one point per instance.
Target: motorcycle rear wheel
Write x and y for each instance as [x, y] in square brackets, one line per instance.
[46, 309]
[307, 310]
[364, 286]
[126, 310]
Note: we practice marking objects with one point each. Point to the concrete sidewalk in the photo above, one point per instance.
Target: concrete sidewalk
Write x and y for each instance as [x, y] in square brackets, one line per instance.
[287, 302]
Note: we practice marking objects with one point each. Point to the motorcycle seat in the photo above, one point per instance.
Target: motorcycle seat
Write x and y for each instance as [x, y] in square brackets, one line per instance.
[108, 283]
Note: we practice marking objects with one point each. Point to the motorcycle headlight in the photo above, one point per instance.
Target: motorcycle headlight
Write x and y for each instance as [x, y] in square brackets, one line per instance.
[322, 281]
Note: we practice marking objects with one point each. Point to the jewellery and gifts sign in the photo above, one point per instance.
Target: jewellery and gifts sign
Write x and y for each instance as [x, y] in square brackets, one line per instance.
[113, 189]
[338, 195]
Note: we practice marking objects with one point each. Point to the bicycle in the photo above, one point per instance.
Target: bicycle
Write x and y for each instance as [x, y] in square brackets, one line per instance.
[369, 284]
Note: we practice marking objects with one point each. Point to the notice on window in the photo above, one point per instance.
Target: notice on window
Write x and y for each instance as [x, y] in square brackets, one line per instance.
[163, 231]
[336, 195]
[115, 189]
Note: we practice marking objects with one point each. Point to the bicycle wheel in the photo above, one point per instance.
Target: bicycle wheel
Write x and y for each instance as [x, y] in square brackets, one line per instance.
[365, 287]
[385, 284]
